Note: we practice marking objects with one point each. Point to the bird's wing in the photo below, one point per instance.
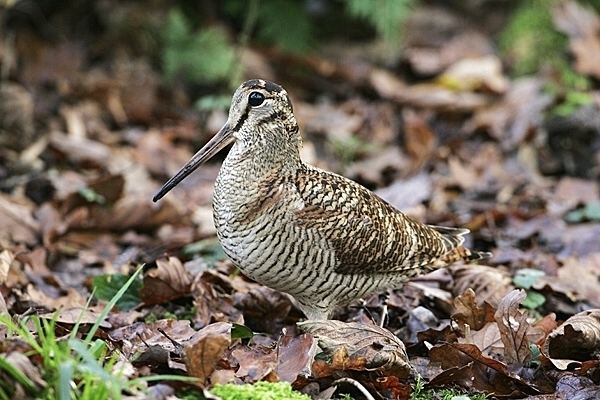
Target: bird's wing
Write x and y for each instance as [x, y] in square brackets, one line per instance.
[366, 234]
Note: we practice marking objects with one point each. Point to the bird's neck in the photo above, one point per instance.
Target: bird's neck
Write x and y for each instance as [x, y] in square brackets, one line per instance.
[254, 161]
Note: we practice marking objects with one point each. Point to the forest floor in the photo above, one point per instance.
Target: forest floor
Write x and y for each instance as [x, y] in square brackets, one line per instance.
[456, 141]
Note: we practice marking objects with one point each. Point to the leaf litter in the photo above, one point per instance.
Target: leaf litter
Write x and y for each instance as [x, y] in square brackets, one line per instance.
[455, 140]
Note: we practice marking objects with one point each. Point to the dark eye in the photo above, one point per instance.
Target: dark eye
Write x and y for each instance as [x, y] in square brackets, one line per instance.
[256, 99]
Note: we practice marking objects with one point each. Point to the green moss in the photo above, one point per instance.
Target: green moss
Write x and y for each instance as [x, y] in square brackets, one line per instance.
[201, 56]
[421, 393]
[530, 39]
[258, 391]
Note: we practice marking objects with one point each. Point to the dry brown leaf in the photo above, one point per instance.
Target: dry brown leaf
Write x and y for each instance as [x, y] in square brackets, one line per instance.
[264, 309]
[205, 349]
[360, 346]
[18, 225]
[420, 141]
[489, 284]
[578, 278]
[80, 150]
[168, 281]
[159, 155]
[538, 332]
[255, 363]
[468, 312]
[487, 339]
[465, 365]
[326, 118]
[424, 95]
[577, 339]
[513, 327]
[293, 353]
[570, 192]
[140, 336]
[573, 387]
[520, 112]
[470, 74]
[72, 299]
[6, 259]
[582, 25]
[213, 300]
[21, 362]
[77, 315]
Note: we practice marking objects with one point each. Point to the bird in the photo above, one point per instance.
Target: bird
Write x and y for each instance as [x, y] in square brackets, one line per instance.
[316, 235]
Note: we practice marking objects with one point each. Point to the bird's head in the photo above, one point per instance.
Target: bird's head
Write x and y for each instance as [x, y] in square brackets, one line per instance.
[260, 116]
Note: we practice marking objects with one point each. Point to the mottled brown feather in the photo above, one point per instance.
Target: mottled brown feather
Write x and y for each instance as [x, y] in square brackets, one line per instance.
[367, 234]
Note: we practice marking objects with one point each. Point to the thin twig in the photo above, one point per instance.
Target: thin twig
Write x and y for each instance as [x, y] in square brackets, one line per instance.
[357, 385]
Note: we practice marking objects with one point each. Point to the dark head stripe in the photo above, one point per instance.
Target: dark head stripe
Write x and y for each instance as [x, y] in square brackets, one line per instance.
[262, 84]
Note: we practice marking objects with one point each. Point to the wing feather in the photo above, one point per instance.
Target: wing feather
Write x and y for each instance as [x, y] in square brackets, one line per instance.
[366, 233]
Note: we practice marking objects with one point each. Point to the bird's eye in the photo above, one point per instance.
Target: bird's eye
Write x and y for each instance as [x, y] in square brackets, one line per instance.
[256, 99]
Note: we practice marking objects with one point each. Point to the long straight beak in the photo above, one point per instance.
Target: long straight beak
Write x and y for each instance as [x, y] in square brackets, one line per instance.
[220, 140]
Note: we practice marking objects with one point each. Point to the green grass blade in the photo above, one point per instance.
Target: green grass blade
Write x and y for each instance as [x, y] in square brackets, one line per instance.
[17, 374]
[111, 304]
[65, 376]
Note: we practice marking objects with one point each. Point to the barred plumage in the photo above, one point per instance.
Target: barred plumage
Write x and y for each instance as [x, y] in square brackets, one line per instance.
[316, 235]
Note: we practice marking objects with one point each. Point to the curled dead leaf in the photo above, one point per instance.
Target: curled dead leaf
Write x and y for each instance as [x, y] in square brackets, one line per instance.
[577, 339]
[513, 327]
[359, 346]
[489, 284]
[168, 281]
[468, 312]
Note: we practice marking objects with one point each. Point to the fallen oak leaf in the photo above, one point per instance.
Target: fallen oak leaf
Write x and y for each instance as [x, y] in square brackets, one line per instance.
[292, 356]
[513, 327]
[489, 284]
[359, 346]
[577, 339]
[468, 312]
[465, 365]
[255, 363]
[205, 349]
[168, 281]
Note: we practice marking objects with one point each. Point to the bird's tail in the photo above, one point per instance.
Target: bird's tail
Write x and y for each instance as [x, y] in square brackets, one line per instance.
[454, 238]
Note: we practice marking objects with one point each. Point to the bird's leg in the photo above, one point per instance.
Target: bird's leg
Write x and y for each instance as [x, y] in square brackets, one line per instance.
[384, 310]
[363, 305]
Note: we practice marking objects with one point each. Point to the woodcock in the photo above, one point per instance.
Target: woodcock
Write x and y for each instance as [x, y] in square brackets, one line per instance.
[318, 236]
